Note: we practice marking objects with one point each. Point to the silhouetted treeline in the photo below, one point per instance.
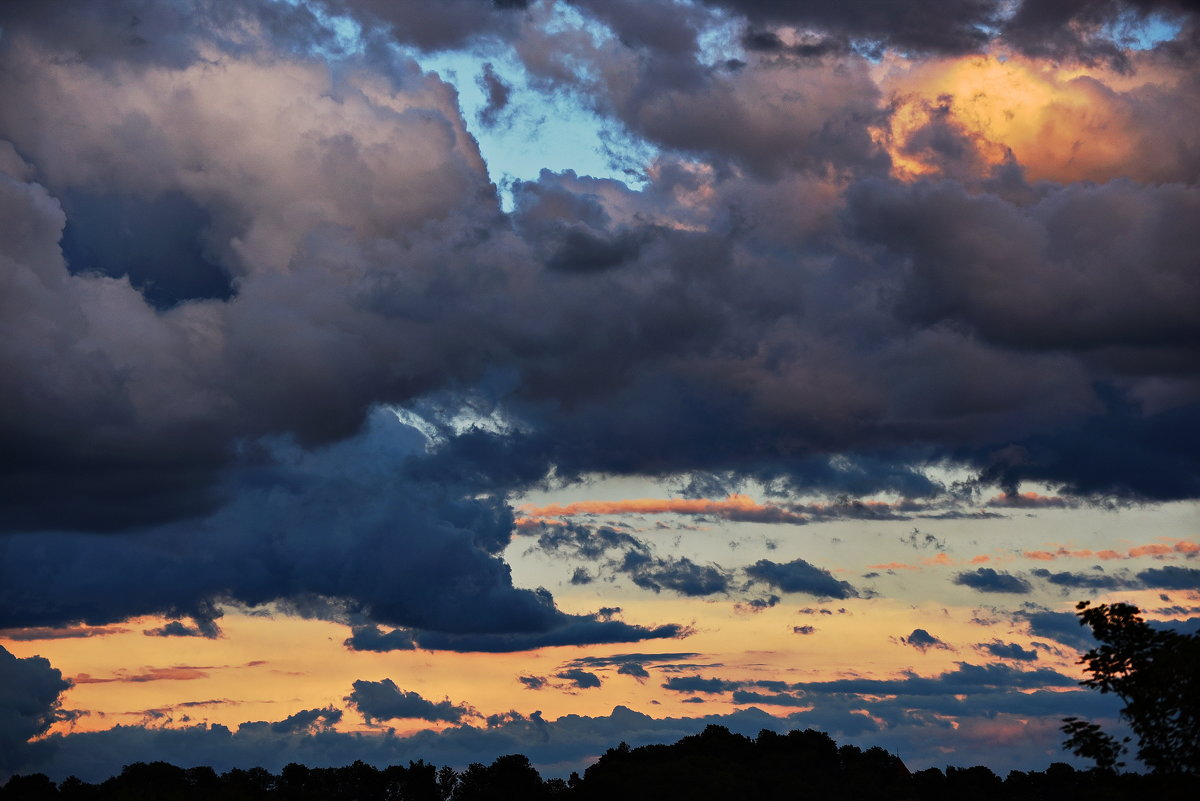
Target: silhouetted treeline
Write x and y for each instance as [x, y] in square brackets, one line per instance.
[715, 765]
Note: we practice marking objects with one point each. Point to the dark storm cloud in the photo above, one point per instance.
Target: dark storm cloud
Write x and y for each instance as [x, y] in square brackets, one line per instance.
[621, 660]
[698, 684]
[301, 243]
[985, 579]
[143, 33]
[59, 633]
[431, 24]
[922, 640]
[1062, 627]
[1089, 30]
[571, 630]
[383, 700]
[497, 91]
[571, 743]
[580, 679]
[677, 574]
[177, 628]
[306, 721]
[634, 669]
[1009, 650]
[945, 26]
[1088, 581]
[335, 524]
[800, 576]
[965, 678]
[1171, 577]
[29, 704]
[586, 542]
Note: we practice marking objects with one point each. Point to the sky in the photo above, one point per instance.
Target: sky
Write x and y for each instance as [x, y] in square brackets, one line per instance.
[444, 379]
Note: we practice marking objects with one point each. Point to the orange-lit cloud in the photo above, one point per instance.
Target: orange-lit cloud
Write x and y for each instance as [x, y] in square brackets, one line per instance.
[1164, 548]
[893, 566]
[735, 507]
[1031, 500]
[1061, 124]
[173, 673]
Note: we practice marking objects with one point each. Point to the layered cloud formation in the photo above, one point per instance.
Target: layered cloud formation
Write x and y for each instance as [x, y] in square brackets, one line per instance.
[271, 337]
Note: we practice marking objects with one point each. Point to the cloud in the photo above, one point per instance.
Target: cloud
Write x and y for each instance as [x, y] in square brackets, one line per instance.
[1171, 577]
[171, 673]
[373, 638]
[800, 576]
[1091, 581]
[697, 684]
[985, 579]
[736, 507]
[303, 525]
[580, 679]
[678, 574]
[635, 669]
[383, 700]
[965, 678]
[1010, 650]
[497, 91]
[804, 629]
[922, 640]
[931, 25]
[29, 703]
[307, 721]
[532, 682]
[1062, 627]
[621, 660]
[58, 633]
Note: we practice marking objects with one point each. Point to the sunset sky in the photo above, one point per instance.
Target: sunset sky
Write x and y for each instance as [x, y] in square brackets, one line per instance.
[443, 379]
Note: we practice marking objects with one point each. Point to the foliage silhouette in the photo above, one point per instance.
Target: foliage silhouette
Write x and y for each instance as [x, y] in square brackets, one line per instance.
[715, 765]
[1155, 672]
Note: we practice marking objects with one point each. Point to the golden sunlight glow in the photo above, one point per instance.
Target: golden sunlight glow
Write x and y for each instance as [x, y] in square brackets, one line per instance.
[976, 112]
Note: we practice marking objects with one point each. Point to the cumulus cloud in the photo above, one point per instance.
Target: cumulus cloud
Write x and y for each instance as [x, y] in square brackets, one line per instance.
[383, 700]
[301, 526]
[29, 704]
[985, 579]
[922, 640]
[1009, 650]
[800, 576]
[580, 679]
[1062, 627]
[1171, 577]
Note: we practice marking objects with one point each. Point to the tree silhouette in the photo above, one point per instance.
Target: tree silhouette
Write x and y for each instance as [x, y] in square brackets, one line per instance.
[1155, 673]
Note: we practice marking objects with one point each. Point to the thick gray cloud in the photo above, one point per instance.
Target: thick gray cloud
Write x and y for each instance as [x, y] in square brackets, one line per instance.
[698, 684]
[580, 679]
[332, 533]
[678, 574]
[232, 251]
[383, 700]
[1009, 650]
[29, 704]
[985, 579]
[1076, 581]
[800, 576]
[1062, 627]
[1171, 577]
[922, 640]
